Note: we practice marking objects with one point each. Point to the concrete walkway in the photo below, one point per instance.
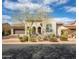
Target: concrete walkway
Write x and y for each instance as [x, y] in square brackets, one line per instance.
[16, 41]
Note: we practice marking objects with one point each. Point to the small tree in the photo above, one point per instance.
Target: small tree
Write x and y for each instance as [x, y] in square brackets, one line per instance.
[29, 17]
[6, 29]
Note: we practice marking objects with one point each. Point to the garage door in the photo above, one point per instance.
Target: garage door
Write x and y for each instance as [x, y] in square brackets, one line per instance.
[19, 31]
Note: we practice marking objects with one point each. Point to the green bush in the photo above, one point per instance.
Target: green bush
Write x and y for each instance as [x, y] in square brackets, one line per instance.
[64, 36]
[39, 38]
[33, 38]
[52, 38]
[5, 33]
[23, 39]
[46, 38]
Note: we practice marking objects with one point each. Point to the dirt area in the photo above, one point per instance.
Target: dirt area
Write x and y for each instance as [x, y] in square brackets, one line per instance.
[16, 41]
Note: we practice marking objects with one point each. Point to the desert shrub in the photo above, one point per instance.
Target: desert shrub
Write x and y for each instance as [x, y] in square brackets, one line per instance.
[46, 38]
[33, 38]
[52, 38]
[64, 36]
[39, 38]
[20, 37]
[6, 33]
[23, 38]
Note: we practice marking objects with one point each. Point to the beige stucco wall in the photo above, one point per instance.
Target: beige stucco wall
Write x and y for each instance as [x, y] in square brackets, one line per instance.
[53, 25]
[35, 24]
[59, 31]
[43, 27]
[60, 28]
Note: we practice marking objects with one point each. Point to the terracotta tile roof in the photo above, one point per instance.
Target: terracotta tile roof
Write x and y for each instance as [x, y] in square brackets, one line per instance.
[59, 23]
[18, 26]
[71, 25]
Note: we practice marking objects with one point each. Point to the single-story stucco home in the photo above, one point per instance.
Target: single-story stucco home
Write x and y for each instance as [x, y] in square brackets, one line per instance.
[41, 27]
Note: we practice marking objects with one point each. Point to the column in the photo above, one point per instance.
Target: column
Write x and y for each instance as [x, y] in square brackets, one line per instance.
[25, 29]
[11, 31]
[36, 30]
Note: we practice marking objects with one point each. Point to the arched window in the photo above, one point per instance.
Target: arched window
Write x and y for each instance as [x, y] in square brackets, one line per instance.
[49, 28]
[39, 30]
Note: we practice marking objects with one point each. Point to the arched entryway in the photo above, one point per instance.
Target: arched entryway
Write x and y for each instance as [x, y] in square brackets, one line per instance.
[39, 30]
[33, 30]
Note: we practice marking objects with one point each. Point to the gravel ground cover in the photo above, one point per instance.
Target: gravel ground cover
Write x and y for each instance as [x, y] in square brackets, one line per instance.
[41, 51]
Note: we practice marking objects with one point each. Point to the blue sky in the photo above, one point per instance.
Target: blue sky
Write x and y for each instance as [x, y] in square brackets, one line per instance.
[59, 10]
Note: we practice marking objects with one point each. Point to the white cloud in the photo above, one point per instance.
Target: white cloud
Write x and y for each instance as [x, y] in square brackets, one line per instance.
[6, 18]
[64, 19]
[62, 1]
[14, 6]
[49, 1]
[23, 1]
[33, 6]
[57, 2]
[70, 9]
[8, 4]
[46, 9]
[25, 6]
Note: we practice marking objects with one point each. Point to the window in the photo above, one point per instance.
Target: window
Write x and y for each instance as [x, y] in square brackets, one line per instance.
[39, 30]
[49, 28]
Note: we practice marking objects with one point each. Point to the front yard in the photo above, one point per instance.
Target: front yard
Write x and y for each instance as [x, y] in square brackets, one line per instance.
[39, 39]
[17, 41]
